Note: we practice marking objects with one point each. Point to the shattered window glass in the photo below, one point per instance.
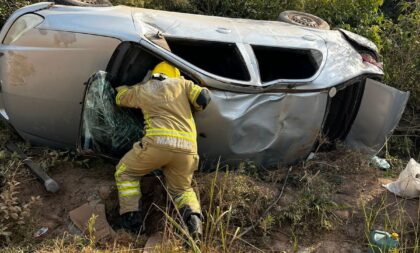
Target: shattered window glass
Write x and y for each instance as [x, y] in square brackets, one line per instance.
[107, 128]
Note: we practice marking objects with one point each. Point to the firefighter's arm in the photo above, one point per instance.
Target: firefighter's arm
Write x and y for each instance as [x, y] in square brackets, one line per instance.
[128, 96]
[198, 96]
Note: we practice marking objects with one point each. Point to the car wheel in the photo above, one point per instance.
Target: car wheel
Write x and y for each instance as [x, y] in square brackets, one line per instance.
[86, 3]
[303, 19]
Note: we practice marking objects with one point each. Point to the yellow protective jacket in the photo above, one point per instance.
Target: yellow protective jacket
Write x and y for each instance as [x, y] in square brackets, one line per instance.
[166, 106]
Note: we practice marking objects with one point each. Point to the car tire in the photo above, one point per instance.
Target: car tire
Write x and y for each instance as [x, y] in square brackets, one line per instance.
[303, 19]
[85, 3]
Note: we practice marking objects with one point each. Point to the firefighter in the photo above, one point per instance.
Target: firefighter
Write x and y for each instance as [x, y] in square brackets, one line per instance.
[167, 101]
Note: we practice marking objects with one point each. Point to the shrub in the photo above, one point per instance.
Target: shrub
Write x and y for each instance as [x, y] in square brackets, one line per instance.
[394, 25]
[13, 213]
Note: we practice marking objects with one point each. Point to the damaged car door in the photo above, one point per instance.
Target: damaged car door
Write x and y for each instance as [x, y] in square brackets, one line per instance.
[379, 113]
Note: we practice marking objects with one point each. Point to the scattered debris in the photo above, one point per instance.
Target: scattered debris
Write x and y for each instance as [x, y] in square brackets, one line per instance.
[311, 156]
[81, 215]
[383, 242]
[408, 183]
[41, 232]
[49, 183]
[380, 163]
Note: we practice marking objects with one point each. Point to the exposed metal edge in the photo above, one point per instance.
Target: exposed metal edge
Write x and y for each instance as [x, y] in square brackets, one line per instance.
[361, 41]
[27, 9]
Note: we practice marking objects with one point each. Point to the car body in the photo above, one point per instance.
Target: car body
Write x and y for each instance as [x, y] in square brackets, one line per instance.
[276, 87]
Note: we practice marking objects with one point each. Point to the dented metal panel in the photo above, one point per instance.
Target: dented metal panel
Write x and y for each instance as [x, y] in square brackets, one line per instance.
[42, 81]
[380, 111]
[360, 40]
[266, 128]
[340, 61]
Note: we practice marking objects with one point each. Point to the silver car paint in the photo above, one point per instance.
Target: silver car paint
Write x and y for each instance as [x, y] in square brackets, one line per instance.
[281, 125]
[267, 128]
[380, 111]
[341, 61]
[42, 100]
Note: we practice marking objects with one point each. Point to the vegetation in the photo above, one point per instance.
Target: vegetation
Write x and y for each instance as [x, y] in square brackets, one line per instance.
[394, 25]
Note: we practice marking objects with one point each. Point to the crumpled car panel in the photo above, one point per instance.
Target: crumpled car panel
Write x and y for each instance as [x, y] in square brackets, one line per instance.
[267, 128]
[380, 111]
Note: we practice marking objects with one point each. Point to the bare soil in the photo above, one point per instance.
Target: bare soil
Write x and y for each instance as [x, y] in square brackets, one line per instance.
[355, 192]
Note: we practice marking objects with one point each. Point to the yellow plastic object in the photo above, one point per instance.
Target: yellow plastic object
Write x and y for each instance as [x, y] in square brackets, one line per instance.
[166, 69]
[394, 236]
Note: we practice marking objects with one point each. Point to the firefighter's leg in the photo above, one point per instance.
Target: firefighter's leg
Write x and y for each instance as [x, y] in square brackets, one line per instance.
[139, 161]
[178, 175]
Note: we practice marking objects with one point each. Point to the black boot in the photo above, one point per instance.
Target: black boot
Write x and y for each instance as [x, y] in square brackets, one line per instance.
[132, 221]
[195, 227]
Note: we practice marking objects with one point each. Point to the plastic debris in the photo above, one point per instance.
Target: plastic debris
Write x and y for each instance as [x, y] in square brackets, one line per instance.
[380, 163]
[383, 242]
[311, 156]
[41, 232]
[408, 182]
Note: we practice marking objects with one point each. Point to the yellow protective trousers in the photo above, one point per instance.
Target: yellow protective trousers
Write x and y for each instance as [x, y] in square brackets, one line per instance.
[143, 158]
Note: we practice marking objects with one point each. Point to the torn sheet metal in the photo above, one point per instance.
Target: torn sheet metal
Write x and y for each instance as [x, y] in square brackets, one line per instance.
[107, 128]
[380, 111]
[266, 128]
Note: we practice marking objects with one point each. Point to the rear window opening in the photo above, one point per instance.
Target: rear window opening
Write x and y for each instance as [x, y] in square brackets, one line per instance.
[285, 63]
[222, 59]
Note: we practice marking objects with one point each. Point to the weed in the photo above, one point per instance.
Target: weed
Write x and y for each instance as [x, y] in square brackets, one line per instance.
[266, 224]
[91, 230]
[389, 214]
[13, 213]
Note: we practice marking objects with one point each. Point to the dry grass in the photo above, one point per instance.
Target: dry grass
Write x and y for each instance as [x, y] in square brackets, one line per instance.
[237, 198]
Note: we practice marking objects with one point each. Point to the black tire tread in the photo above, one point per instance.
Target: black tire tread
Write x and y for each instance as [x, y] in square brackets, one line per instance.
[285, 17]
[96, 3]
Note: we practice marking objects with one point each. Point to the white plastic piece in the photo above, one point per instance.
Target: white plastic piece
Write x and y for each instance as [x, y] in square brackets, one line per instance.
[380, 163]
[408, 183]
[311, 156]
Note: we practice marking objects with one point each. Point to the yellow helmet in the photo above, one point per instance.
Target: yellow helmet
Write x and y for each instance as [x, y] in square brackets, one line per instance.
[166, 69]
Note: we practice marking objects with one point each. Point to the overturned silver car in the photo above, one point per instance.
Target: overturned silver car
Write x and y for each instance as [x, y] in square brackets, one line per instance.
[276, 86]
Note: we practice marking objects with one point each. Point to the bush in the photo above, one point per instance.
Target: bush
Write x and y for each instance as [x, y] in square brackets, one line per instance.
[13, 213]
[7, 7]
[394, 25]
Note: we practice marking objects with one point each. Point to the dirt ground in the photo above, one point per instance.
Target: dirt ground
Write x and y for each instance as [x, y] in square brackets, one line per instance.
[362, 205]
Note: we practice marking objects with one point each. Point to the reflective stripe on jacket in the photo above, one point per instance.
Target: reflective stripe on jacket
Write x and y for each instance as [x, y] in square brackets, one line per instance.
[166, 107]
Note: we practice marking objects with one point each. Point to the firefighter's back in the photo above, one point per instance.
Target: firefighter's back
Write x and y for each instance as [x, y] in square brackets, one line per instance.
[168, 116]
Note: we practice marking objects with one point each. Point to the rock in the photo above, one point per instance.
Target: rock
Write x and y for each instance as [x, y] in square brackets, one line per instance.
[337, 247]
[310, 249]
[51, 225]
[104, 192]
[55, 218]
[280, 243]
[342, 214]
